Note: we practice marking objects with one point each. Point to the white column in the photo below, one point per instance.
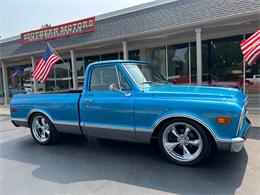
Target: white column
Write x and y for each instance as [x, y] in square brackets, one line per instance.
[34, 80]
[74, 70]
[199, 55]
[5, 82]
[125, 51]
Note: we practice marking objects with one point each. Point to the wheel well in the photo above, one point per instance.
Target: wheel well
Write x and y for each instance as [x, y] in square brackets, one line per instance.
[158, 127]
[30, 117]
[33, 114]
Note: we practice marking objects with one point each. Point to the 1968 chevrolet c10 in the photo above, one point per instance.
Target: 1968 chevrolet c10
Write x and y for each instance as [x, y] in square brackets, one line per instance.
[130, 100]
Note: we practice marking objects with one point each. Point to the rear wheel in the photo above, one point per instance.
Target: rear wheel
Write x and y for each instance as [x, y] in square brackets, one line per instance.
[184, 142]
[42, 129]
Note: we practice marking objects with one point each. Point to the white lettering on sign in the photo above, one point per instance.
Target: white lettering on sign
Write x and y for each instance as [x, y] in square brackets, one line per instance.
[77, 27]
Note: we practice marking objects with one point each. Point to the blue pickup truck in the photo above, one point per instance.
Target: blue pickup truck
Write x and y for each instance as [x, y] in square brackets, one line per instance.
[131, 101]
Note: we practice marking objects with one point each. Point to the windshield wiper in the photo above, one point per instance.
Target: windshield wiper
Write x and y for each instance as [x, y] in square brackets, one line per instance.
[158, 83]
[166, 82]
[148, 82]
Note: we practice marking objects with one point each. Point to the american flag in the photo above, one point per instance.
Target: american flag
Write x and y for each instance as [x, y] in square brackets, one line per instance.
[251, 48]
[44, 65]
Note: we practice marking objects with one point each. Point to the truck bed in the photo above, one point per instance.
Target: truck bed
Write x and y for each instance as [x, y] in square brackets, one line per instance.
[61, 107]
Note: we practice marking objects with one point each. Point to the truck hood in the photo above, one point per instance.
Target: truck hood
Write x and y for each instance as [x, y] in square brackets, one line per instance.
[198, 92]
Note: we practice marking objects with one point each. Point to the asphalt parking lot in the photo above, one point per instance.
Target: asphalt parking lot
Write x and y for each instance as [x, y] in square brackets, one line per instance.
[77, 165]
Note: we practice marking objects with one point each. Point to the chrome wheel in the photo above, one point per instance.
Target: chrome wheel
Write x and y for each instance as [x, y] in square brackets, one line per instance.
[182, 141]
[40, 128]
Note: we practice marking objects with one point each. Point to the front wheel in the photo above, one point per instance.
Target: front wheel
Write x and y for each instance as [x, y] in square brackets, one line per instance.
[184, 142]
[42, 129]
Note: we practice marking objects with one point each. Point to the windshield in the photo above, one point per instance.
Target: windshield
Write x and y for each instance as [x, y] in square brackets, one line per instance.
[144, 74]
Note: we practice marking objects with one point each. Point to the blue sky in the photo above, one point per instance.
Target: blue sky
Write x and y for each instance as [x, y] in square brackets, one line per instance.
[18, 16]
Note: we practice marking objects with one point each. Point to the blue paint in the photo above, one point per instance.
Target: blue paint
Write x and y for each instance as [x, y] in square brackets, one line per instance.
[139, 112]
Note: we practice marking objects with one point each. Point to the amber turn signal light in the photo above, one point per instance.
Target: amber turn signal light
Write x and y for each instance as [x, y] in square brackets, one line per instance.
[223, 120]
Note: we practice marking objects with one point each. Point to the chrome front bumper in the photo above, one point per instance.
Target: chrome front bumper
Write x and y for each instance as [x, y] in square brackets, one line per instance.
[235, 144]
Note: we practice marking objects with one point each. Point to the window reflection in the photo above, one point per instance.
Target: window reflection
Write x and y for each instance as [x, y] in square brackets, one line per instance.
[60, 77]
[222, 62]
[253, 77]
[90, 59]
[1, 87]
[193, 63]
[157, 56]
[19, 79]
[112, 56]
[134, 55]
[178, 63]
[80, 66]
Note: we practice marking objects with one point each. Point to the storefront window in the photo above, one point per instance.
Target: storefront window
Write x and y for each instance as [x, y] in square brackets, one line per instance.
[253, 77]
[50, 83]
[222, 62]
[1, 87]
[178, 63]
[60, 77]
[80, 71]
[63, 75]
[193, 63]
[90, 59]
[80, 66]
[121, 55]
[19, 79]
[157, 56]
[112, 56]
[134, 55]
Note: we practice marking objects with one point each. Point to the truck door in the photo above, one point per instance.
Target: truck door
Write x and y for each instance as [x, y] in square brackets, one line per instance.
[107, 113]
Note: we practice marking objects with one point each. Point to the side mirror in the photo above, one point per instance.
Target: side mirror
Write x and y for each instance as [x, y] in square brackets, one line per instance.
[112, 87]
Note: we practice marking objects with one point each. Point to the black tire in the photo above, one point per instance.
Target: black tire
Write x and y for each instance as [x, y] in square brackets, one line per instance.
[204, 150]
[51, 138]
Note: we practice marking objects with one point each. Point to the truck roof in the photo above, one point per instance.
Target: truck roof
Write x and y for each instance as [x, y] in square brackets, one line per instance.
[108, 62]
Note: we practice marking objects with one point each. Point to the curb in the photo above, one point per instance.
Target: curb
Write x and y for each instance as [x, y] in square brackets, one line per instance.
[4, 115]
[253, 110]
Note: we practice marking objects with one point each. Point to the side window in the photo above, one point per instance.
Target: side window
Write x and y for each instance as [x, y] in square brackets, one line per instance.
[103, 77]
[123, 83]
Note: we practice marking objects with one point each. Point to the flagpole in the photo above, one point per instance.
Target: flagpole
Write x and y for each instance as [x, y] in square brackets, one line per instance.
[52, 49]
[244, 71]
[244, 76]
[55, 52]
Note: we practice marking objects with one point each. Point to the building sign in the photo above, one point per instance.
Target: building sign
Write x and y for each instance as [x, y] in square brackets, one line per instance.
[63, 30]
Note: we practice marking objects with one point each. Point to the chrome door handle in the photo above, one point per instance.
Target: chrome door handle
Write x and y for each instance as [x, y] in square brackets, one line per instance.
[88, 100]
